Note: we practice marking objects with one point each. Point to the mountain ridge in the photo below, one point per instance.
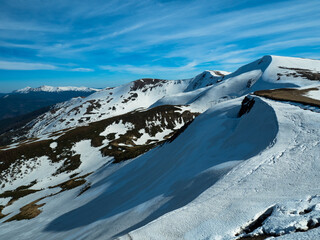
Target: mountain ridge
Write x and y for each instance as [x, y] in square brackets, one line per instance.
[200, 158]
[260, 74]
[46, 88]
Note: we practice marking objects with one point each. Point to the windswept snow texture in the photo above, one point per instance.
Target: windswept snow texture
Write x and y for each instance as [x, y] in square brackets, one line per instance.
[156, 183]
[213, 179]
[269, 72]
[292, 216]
[288, 169]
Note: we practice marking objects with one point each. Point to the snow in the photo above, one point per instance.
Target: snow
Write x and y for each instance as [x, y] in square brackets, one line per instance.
[315, 94]
[200, 92]
[230, 88]
[146, 136]
[38, 169]
[292, 216]
[258, 75]
[173, 180]
[91, 158]
[4, 201]
[205, 79]
[53, 145]
[117, 128]
[55, 89]
[143, 139]
[179, 98]
[112, 102]
[277, 64]
[214, 179]
[287, 169]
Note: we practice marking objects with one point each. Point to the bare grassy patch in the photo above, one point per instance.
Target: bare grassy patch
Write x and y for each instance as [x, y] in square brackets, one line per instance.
[290, 94]
[121, 149]
[301, 72]
[16, 194]
[32, 210]
[147, 82]
[72, 183]
[28, 211]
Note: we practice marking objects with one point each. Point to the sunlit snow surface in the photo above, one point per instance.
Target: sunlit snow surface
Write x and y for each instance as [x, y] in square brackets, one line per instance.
[214, 179]
[315, 94]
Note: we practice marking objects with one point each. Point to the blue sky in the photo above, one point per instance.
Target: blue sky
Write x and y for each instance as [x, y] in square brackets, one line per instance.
[100, 43]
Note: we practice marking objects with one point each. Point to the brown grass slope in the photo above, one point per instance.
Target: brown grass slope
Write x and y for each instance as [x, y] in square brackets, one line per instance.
[290, 94]
[166, 115]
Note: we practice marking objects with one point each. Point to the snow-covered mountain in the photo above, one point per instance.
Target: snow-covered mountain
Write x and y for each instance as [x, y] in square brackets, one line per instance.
[55, 89]
[21, 106]
[106, 103]
[205, 79]
[266, 73]
[217, 156]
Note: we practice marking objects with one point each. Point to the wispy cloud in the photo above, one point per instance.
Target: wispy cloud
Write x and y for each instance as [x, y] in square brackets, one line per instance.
[82, 70]
[5, 65]
[153, 36]
[149, 69]
[27, 66]
[24, 26]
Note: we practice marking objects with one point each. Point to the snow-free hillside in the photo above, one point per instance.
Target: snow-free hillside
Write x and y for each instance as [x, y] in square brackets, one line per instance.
[247, 167]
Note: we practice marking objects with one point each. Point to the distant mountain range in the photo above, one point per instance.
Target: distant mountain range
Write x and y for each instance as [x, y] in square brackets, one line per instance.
[217, 156]
[27, 100]
[55, 89]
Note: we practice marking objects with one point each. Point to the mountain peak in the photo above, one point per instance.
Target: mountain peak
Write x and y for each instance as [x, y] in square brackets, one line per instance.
[206, 78]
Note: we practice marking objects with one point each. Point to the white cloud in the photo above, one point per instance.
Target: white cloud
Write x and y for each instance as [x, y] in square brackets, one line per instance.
[199, 32]
[149, 69]
[5, 65]
[82, 70]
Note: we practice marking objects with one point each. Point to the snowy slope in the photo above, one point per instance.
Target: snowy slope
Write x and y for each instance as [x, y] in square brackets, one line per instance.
[167, 179]
[106, 103]
[120, 138]
[205, 79]
[200, 92]
[285, 171]
[269, 72]
[196, 191]
[247, 166]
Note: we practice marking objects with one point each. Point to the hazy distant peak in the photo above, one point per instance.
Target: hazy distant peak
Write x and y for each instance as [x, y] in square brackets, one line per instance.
[45, 88]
